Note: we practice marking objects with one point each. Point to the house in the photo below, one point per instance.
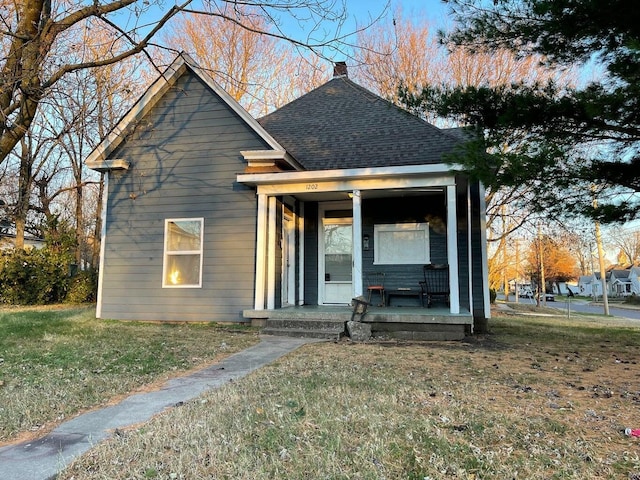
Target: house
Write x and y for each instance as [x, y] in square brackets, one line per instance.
[212, 215]
[619, 283]
[634, 279]
[589, 285]
[8, 242]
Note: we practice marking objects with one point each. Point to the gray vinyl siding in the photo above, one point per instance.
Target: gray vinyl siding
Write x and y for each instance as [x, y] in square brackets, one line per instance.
[184, 155]
[476, 253]
[403, 210]
[463, 241]
[311, 253]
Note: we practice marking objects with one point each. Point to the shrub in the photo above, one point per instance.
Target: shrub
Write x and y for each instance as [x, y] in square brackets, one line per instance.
[492, 295]
[33, 277]
[83, 287]
[632, 300]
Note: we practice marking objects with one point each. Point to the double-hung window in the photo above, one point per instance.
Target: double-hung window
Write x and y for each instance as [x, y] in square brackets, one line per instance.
[401, 243]
[182, 266]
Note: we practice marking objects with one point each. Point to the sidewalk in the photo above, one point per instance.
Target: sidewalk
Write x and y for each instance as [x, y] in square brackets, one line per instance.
[42, 459]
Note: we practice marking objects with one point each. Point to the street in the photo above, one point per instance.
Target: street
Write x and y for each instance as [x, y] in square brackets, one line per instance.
[578, 306]
[584, 306]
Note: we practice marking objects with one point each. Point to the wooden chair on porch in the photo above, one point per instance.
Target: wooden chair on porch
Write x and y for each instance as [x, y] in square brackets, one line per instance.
[375, 283]
[435, 284]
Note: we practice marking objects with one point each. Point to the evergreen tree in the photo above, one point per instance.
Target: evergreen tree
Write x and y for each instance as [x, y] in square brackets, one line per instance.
[569, 143]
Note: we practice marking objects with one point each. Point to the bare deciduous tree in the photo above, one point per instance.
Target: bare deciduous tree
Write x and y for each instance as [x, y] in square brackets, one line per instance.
[261, 73]
[399, 51]
[35, 30]
[627, 242]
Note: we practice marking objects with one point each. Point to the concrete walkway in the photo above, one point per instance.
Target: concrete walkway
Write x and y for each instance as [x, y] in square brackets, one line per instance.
[42, 459]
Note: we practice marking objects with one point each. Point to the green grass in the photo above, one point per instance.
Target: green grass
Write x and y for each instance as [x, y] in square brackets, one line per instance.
[55, 362]
[539, 398]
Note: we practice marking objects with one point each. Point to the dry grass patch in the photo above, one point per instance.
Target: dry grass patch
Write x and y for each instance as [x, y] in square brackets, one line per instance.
[536, 399]
[55, 362]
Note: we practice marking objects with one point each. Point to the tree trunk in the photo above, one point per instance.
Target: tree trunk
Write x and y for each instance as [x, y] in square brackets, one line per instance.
[25, 181]
[79, 223]
[97, 236]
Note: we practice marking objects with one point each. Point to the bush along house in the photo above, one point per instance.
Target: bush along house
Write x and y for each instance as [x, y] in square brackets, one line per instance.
[213, 215]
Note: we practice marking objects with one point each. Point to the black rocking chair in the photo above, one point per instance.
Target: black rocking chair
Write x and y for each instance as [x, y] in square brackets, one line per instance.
[435, 284]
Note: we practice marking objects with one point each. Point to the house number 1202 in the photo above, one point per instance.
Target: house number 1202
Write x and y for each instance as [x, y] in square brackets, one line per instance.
[312, 186]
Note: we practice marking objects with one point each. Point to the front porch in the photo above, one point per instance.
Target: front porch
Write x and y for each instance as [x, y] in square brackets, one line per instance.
[323, 235]
[401, 322]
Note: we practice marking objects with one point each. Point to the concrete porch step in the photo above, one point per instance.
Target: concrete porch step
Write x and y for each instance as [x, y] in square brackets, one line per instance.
[327, 334]
[330, 329]
[307, 323]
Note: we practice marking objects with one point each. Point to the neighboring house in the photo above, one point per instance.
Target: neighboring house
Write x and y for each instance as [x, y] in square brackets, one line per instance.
[8, 241]
[634, 279]
[619, 283]
[212, 215]
[589, 285]
[562, 288]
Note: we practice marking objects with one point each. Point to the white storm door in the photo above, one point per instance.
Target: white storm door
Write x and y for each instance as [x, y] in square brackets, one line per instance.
[336, 261]
[288, 260]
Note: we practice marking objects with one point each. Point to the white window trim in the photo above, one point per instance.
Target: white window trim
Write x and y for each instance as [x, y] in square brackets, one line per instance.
[166, 254]
[395, 227]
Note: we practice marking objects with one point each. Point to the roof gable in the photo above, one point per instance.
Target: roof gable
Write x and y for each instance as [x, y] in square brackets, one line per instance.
[99, 159]
[342, 125]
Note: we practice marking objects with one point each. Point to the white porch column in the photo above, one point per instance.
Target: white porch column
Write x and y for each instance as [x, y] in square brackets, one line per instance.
[103, 241]
[452, 249]
[357, 244]
[261, 252]
[271, 255]
[470, 248]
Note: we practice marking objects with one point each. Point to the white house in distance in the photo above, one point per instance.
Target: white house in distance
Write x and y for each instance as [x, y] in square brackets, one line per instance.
[621, 282]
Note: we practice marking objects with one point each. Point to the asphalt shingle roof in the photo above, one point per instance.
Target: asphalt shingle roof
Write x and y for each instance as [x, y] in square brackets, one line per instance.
[342, 125]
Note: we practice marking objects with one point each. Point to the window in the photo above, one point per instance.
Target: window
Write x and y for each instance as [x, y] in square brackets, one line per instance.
[401, 243]
[183, 253]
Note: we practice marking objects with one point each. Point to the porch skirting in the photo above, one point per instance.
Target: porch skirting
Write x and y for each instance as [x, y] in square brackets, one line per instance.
[329, 322]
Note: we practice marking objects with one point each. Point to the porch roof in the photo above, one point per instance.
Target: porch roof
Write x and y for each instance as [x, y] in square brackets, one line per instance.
[310, 184]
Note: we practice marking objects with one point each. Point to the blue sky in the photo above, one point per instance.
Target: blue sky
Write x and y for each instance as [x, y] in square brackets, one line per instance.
[433, 9]
[361, 13]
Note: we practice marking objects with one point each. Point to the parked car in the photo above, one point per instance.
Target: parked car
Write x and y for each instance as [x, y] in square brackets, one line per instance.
[528, 293]
[525, 292]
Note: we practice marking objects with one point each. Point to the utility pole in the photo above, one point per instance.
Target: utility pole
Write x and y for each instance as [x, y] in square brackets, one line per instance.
[505, 277]
[517, 287]
[541, 288]
[603, 273]
[505, 259]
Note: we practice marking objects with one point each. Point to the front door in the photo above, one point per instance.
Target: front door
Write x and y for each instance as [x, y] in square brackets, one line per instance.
[336, 261]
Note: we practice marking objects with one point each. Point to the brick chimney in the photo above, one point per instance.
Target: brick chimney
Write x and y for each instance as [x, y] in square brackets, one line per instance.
[340, 70]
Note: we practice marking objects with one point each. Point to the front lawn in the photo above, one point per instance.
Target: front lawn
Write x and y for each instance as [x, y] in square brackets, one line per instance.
[56, 362]
[539, 398]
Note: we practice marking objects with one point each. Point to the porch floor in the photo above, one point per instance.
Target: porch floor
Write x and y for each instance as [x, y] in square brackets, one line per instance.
[435, 314]
[408, 322]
